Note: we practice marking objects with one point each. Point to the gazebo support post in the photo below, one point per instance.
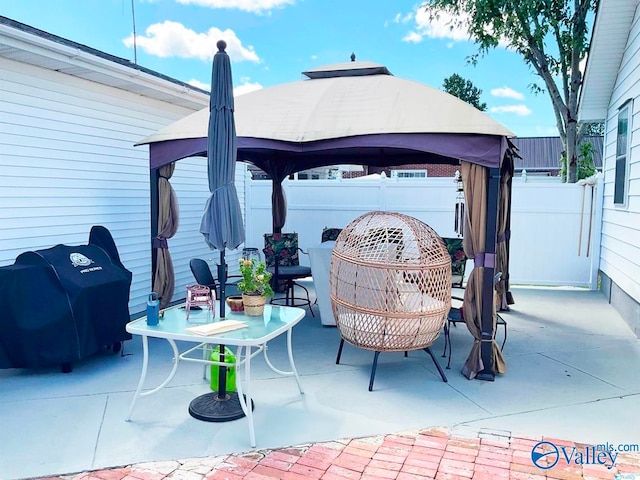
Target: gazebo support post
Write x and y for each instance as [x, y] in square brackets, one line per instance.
[276, 199]
[486, 349]
[155, 204]
[509, 295]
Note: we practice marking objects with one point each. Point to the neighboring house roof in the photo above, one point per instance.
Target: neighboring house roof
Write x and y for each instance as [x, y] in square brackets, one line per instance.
[543, 153]
[608, 41]
[27, 44]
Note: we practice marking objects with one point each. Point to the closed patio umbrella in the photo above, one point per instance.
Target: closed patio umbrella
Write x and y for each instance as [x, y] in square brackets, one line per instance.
[222, 224]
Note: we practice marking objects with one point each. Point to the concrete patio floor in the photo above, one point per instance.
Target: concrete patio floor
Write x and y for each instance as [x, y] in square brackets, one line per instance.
[572, 374]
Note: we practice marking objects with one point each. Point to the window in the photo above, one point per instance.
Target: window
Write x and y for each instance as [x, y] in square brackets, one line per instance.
[622, 153]
[408, 174]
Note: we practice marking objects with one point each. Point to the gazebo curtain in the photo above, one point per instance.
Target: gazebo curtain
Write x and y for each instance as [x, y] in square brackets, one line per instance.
[504, 233]
[278, 169]
[278, 207]
[475, 180]
[163, 277]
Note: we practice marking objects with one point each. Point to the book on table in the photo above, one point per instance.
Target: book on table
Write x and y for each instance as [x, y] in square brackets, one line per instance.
[217, 327]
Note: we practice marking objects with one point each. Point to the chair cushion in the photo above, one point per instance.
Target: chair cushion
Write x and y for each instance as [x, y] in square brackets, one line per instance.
[283, 246]
[330, 234]
[291, 271]
[456, 315]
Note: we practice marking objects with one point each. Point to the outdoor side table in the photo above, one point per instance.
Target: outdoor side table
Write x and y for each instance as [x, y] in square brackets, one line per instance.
[250, 341]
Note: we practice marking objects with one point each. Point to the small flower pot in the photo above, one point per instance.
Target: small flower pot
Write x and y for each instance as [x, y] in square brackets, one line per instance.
[253, 304]
[235, 303]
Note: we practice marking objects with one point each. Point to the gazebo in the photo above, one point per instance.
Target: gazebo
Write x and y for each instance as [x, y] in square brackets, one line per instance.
[359, 113]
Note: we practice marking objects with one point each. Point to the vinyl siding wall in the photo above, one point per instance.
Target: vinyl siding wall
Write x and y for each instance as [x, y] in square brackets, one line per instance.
[68, 162]
[620, 247]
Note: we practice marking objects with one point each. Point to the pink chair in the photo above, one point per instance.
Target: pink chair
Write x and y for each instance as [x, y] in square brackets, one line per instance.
[199, 295]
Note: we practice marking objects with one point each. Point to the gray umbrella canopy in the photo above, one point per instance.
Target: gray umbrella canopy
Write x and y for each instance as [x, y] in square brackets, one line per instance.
[222, 224]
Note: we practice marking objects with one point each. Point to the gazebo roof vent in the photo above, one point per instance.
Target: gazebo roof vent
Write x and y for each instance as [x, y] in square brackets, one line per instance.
[348, 69]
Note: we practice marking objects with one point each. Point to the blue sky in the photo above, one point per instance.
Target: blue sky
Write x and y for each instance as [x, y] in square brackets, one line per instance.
[272, 41]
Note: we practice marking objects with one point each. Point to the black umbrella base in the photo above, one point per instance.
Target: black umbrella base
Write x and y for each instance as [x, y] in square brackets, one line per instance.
[210, 408]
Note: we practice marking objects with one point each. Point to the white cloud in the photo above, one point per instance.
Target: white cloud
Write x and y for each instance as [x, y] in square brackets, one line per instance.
[172, 39]
[199, 84]
[254, 6]
[399, 18]
[520, 110]
[412, 37]
[507, 92]
[442, 26]
[583, 64]
[246, 87]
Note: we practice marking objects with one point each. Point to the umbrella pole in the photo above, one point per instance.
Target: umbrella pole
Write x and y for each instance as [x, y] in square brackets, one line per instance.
[220, 406]
[222, 279]
[222, 372]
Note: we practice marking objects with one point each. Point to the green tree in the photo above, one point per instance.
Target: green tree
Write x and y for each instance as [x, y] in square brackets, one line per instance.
[464, 90]
[551, 36]
[586, 167]
[591, 128]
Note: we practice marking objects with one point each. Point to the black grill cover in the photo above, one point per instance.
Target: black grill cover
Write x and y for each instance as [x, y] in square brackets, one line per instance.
[61, 304]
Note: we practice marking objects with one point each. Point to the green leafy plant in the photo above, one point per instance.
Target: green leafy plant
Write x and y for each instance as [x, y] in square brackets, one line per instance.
[551, 36]
[464, 90]
[586, 167]
[256, 280]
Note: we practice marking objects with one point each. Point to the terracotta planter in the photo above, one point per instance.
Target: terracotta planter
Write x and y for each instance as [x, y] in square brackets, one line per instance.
[253, 304]
[235, 303]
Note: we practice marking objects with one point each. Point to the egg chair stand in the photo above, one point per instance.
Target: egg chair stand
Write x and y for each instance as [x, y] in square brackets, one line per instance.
[374, 366]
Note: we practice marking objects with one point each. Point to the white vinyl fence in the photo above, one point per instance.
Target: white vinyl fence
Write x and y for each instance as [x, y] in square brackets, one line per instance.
[550, 221]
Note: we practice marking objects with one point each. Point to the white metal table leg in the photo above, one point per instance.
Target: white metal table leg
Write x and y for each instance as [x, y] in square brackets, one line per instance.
[245, 397]
[206, 355]
[143, 375]
[291, 362]
[293, 371]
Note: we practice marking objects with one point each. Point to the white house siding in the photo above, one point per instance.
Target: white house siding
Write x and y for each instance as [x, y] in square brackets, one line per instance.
[192, 189]
[68, 162]
[620, 246]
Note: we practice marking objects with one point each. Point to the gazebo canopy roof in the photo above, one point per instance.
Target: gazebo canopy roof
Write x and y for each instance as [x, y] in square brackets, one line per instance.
[357, 98]
[346, 109]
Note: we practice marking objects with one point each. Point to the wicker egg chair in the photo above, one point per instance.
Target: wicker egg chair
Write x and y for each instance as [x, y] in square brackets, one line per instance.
[390, 285]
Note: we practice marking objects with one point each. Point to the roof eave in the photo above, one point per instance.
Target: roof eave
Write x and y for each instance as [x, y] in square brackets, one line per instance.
[24, 44]
[609, 39]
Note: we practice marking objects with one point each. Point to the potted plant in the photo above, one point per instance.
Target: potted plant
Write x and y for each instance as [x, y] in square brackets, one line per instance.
[255, 286]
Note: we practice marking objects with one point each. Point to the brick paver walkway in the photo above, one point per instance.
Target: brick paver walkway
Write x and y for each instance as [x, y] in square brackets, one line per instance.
[416, 455]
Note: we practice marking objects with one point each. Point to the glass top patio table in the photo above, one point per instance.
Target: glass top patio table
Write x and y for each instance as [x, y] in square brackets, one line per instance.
[260, 329]
[173, 326]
